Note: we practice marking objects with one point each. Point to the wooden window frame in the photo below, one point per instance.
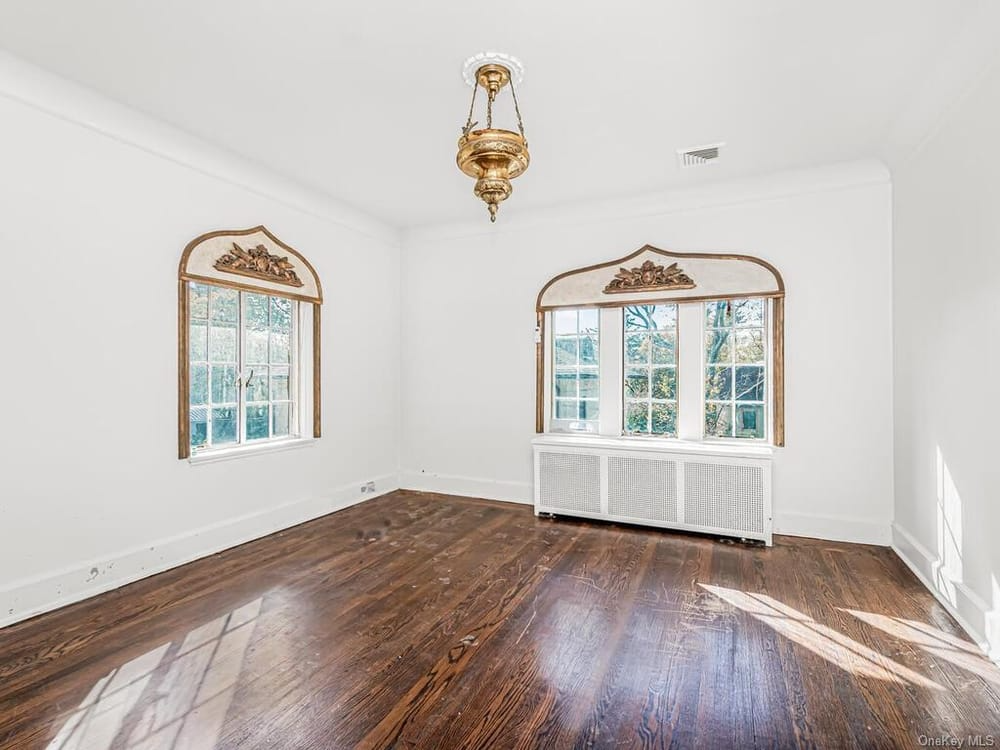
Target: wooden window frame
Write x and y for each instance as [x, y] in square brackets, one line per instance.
[196, 266]
[704, 288]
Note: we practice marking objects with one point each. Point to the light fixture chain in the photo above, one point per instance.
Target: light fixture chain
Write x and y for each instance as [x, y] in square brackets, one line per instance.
[472, 107]
[489, 110]
[517, 110]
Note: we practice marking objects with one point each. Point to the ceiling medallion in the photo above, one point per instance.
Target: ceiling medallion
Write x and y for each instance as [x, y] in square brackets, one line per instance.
[492, 156]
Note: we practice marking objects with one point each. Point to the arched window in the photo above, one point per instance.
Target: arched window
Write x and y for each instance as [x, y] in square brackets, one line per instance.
[665, 344]
[248, 343]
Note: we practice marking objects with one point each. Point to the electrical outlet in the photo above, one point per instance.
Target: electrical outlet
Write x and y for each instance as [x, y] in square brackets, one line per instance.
[370, 486]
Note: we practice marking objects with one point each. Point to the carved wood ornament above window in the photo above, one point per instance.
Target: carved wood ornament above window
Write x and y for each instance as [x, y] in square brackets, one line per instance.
[258, 263]
[650, 276]
[251, 260]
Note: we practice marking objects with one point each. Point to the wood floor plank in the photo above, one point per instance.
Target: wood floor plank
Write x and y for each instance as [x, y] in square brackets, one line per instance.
[569, 616]
[427, 621]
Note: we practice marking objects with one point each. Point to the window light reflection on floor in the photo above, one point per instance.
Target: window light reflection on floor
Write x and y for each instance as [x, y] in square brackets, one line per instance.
[823, 641]
[174, 696]
[936, 642]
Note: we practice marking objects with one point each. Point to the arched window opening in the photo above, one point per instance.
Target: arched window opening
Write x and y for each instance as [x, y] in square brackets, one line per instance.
[664, 344]
[248, 343]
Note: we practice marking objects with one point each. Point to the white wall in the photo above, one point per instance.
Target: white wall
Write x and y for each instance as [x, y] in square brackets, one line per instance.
[96, 205]
[947, 367]
[469, 317]
[98, 201]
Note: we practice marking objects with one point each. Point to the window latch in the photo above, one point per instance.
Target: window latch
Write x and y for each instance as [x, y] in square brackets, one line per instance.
[239, 382]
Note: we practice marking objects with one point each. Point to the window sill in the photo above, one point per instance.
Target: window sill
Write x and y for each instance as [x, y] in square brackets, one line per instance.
[658, 445]
[244, 451]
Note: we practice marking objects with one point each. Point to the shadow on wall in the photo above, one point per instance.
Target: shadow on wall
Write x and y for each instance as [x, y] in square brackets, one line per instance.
[174, 696]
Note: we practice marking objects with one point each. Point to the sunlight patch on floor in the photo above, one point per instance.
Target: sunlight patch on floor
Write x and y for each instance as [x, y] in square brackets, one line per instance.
[936, 642]
[823, 641]
[171, 697]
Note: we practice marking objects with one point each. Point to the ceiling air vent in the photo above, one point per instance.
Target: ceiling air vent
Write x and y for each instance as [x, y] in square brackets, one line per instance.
[699, 155]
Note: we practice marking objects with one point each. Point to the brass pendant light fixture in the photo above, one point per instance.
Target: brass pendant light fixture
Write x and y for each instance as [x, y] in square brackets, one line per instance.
[493, 156]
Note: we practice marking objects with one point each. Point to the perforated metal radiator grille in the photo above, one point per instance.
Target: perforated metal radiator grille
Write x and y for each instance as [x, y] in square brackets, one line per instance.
[724, 496]
[718, 494]
[642, 488]
[570, 481]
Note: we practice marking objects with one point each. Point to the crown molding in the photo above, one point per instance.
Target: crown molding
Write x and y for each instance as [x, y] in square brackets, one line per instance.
[774, 186]
[953, 76]
[59, 97]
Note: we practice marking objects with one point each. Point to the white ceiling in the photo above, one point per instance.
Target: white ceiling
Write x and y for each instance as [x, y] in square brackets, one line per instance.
[364, 100]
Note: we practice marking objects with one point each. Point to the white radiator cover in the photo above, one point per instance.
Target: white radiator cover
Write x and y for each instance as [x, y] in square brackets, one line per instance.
[716, 488]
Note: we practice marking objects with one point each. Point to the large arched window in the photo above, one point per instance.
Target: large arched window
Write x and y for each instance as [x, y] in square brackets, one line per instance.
[248, 344]
[664, 344]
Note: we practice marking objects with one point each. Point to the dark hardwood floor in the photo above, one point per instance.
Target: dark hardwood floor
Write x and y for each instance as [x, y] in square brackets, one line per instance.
[427, 621]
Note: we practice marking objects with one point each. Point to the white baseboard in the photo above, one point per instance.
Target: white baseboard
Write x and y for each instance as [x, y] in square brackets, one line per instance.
[832, 528]
[490, 489]
[44, 593]
[967, 607]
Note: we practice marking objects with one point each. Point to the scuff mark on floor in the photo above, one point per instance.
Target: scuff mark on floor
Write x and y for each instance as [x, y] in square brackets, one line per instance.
[588, 581]
[533, 614]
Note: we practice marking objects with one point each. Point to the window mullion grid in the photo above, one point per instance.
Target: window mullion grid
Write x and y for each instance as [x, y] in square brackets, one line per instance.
[296, 410]
[731, 330]
[573, 369]
[581, 336]
[549, 363]
[687, 328]
[267, 394]
[576, 367]
[208, 362]
[241, 402]
[648, 338]
[730, 365]
[293, 373]
[581, 410]
[241, 390]
[734, 402]
[556, 367]
[649, 401]
[716, 366]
